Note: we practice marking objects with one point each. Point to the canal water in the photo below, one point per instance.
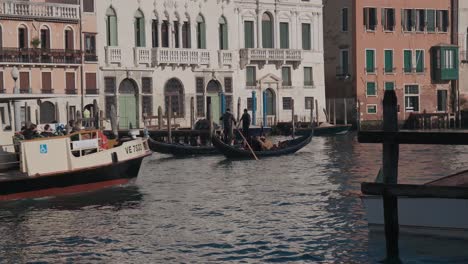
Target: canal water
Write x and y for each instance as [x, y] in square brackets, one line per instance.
[303, 208]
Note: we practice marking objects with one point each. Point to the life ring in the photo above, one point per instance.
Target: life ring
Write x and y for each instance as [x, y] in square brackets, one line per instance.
[103, 140]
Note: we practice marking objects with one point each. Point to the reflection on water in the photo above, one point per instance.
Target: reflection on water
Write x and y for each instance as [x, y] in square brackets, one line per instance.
[299, 208]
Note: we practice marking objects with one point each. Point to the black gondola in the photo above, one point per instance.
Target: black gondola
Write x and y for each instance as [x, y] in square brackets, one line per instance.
[233, 152]
[180, 149]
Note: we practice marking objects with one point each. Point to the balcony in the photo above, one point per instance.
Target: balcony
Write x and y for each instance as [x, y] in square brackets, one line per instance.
[39, 56]
[47, 91]
[189, 57]
[92, 91]
[142, 56]
[70, 91]
[90, 57]
[113, 55]
[225, 58]
[271, 56]
[39, 10]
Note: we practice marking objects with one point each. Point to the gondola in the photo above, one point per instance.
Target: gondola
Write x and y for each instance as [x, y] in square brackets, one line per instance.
[180, 149]
[233, 152]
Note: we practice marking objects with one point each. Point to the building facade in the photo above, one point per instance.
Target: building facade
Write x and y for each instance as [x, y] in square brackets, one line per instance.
[403, 46]
[264, 53]
[52, 45]
[462, 39]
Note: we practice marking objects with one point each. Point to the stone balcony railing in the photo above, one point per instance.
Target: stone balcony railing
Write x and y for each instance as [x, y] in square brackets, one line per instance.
[113, 55]
[225, 58]
[173, 56]
[142, 56]
[41, 10]
[270, 56]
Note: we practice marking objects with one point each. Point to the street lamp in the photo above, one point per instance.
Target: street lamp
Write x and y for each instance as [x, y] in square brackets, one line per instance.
[15, 75]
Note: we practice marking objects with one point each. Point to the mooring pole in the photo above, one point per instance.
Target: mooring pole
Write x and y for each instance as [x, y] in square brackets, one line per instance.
[345, 111]
[334, 111]
[390, 176]
[293, 124]
[238, 109]
[317, 112]
[192, 112]
[160, 118]
[168, 114]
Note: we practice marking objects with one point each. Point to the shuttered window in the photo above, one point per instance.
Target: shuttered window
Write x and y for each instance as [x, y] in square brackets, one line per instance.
[24, 82]
[147, 85]
[201, 33]
[69, 42]
[186, 35]
[223, 34]
[91, 83]
[249, 34]
[147, 105]
[139, 27]
[2, 87]
[407, 57]
[430, 16]
[111, 24]
[306, 39]
[250, 76]
[388, 61]
[109, 101]
[370, 61]
[286, 75]
[371, 89]
[267, 31]
[88, 6]
[47, 82]
[109, 85]
[199, 88]
[419, 61]
[228, 84]
[284, 35]
[389, 86]
[70, 82]
[229, 102]
[308, 78]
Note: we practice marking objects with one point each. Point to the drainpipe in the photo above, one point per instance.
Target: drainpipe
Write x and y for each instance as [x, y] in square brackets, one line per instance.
[82, 57]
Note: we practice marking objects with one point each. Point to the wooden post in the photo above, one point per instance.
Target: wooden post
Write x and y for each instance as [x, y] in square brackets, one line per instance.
[292, 118]
[317, 111]
[390, 176]
[67, 113]
[160, 118]
[113, 120]
[329, 111]
[210, 118]
[96, 114]
[192, 112]
[238, 109]
[345, 111]
[101, 119]
[37, 116]
[311, 115]
[26, 114]
[168, 114]
[334, 111]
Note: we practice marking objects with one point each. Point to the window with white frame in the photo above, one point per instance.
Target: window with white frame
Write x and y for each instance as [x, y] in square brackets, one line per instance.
[388, 19]
[412, 98]
[370, 18]
[372, 109]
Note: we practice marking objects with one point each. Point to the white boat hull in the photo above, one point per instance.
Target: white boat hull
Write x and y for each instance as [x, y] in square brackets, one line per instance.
[432, 216]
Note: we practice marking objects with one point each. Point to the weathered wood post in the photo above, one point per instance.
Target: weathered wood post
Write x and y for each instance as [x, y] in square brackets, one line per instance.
[238, 109]
[160, 118]
[192, 112]
[96, 114]
[26, 114]
[67, 113]
[329, 111]
[317, 111]
[293, 124]
[168, 115]
[334, 111]
[345, 111]
[113, 120]
[101, 119]
[390, 176]
[210, 118]
[311, 115]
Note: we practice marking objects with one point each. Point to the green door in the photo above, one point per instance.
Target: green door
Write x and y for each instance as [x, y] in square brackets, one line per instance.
[127, 111]
[215, 106]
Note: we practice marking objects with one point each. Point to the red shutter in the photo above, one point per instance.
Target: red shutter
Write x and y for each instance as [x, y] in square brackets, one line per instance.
[1, 83]
[69, 39]
[70, 82]
[24, 81]
[47, 82]
[90, 82]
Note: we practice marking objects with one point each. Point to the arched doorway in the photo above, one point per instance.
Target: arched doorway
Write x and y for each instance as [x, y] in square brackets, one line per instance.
[128, 114]
[213, 90]
[47, 112]
[270, 102]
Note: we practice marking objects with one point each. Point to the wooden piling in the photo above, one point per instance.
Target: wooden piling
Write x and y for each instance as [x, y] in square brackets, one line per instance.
[312, 115]
[96, 114]
[390, 176]
[169, 114]
[293, 124]
[113, 120]
[101, 120]
[317, 111]
[345, 111]
[334, 111]
[160, 118]
[210, 118]
[192, 112]
[238, 109]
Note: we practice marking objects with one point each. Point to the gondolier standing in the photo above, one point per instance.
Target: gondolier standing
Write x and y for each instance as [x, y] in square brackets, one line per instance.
[228, 119]
[246, 120]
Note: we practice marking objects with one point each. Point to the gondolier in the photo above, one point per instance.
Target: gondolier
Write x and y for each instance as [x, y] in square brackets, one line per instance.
[246, 120]
[228, 119]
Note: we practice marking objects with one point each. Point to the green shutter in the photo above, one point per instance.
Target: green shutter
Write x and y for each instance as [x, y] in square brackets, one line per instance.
[112, 21]
[142, 32]
[407, 60]
[267, 37]
[371, 91]
[389, 85]
[224, 37]
[284, 35]
[202, 35]
[306, 41]
[308, 76]
[430, 16]
[248, 34]
[389, 61]
[419, 61]
[250, 76]
[370, 61]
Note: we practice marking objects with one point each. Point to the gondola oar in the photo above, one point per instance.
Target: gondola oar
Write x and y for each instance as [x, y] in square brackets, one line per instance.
[248, 145]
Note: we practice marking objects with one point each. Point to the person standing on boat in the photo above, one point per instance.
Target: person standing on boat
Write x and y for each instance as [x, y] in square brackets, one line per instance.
[246, 120]
[228, 119]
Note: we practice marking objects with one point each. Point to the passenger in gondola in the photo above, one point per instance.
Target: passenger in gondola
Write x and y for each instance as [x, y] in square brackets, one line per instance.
[31, 132]
[246, 120]
[228, 120]
[265, 143]
[47, 131]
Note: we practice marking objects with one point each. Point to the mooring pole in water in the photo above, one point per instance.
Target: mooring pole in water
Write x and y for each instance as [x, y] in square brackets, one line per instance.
[317, 112]
[210, 117]
[113, 119]
[160, 118]
[238, 109]
[293, 124]
[192, 112]
[168, 114]
[345, 111]
[390, 176]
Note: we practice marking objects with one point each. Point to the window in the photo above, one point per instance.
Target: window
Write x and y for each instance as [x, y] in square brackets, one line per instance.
[411, 98]
[370, 61]
[287, 103]
[109, 102]
[388, 54]
[228, 98]
[186, 35]
[251, 79]
[45, 38]
[90, 47]
[442, 21]
[250, 104]
[23, 37]
[69, 39]
[442, 100]
[388, 19]
[223, 34]
[91, 83]
[344, 62]
[46, 80]
[286, 75]
[175, 31]
[370, 18]
[147, 85]
[308, 76]
[407, 22]
[267, 31]
[448, 59]
[306, 37]
[284, 35]
[2, 86]
[111, 27]
[249, 34]
[430, 18]
[88, 6]
[24, 84]
[372, 109]
[228, 84]
[147, 104]
[139, 28]
[70, 87]
[174, 90]
[371, 89]
[407, 61]
[389, 86]
[199, 85]
[201, 33]
[109, 85]
[344, 19]
[420, 20]
[309, 103]
[154, 33]
[165, 34]
[419, 61]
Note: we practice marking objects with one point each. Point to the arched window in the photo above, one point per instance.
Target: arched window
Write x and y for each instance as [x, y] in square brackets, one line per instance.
[201, 32]
[139, 26]
[186, 35]
[69, 39]
[165, 34]
[45, 37]
[111, 27]
[155, 32]
[23, 42]
[47, 112]
[267, 31]
[175, 91]
[223, 33]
